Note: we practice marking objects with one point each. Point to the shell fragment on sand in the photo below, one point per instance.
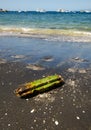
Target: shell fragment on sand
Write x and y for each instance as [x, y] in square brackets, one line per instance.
[38, 86]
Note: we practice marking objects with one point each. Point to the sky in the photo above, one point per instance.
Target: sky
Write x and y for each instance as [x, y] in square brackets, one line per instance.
[45, 4]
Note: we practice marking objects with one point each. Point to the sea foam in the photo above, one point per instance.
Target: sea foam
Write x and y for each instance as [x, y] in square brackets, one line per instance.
[48, 34]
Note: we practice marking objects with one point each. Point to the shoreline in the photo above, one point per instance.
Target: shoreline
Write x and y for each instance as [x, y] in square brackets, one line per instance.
[84, 38]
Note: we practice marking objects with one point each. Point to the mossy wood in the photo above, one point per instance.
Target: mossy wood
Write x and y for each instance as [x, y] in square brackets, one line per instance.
[40, 85]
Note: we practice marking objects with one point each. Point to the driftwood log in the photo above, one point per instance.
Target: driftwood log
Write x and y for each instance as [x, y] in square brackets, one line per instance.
[39, 86]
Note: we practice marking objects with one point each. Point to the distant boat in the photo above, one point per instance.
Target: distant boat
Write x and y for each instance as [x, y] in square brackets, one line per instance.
[86, 11]
[19, 11]
[40, 10]
[3, 10]
[60, 10]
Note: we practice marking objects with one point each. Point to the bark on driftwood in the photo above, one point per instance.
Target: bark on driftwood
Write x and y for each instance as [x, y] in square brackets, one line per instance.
[39, 86]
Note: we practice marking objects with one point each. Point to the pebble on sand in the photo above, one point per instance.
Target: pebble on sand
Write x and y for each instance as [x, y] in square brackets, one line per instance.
[56, 122]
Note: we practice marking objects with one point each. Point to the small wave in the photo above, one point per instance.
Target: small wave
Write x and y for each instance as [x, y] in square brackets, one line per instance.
[49, 34]
[2, 61]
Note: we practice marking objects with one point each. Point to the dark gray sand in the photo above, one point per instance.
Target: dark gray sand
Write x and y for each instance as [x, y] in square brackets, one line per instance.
[67, 107]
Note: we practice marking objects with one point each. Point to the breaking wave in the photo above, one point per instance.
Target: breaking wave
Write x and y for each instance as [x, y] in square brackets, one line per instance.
[48, 34]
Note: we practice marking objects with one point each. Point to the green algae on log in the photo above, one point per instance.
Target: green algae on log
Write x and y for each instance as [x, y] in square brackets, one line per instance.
[39, 86]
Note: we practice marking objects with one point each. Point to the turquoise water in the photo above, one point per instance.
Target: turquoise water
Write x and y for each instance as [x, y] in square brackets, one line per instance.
[51, 25]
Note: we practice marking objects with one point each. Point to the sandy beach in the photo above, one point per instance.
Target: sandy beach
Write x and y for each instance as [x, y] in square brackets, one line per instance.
[67, 107]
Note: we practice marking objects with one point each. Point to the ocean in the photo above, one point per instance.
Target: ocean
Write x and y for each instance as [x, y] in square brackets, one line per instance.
[56, 26]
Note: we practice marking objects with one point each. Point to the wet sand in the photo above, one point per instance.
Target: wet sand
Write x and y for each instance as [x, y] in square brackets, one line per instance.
[67, 107]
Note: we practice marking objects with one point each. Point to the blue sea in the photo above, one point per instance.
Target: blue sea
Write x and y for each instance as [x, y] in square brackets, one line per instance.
[56, 26]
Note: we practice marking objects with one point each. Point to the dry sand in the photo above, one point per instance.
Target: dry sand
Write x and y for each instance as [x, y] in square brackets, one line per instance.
[65, 108]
